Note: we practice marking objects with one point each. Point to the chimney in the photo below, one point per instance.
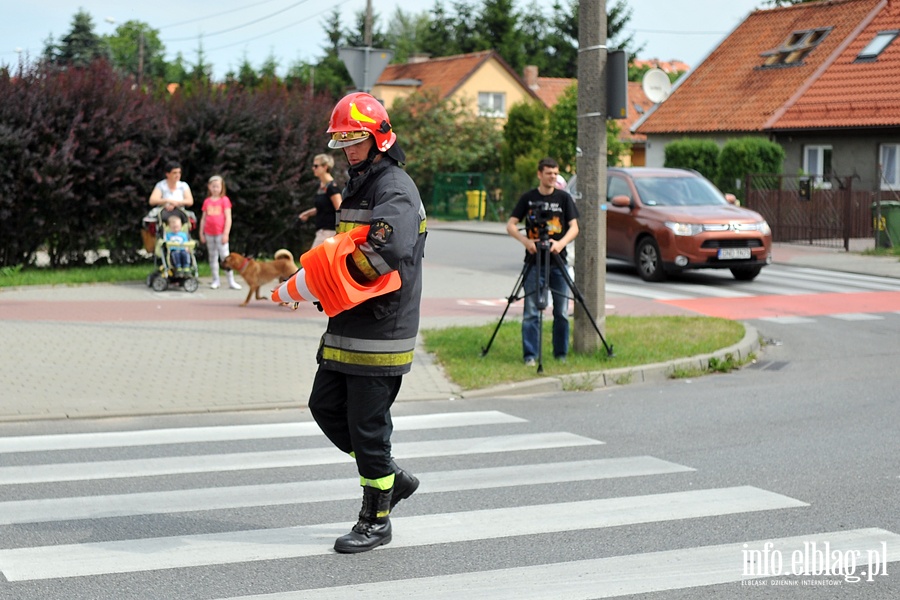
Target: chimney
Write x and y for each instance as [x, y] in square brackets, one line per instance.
[531, 75]
[418, 57]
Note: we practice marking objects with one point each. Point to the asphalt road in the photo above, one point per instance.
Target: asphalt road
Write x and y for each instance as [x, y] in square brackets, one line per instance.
[656, 491]
[802, 445]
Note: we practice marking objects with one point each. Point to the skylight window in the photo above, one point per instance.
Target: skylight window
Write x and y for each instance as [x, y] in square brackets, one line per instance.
[795, 48]
[881, 41]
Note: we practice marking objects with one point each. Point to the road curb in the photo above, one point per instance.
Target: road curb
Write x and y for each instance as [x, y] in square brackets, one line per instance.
[652, 373]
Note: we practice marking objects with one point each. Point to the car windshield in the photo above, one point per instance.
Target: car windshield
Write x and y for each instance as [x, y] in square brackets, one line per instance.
[678, 191]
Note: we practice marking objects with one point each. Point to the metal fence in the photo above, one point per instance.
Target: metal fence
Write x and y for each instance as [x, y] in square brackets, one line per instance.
[473, 196]
[820, 212]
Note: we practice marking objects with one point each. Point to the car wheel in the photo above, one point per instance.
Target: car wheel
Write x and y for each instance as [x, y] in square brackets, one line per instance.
[649, 262]
[745, 273]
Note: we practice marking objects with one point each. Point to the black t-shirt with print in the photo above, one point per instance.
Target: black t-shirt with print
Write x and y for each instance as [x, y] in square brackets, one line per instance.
[326, 216]
[556, 209]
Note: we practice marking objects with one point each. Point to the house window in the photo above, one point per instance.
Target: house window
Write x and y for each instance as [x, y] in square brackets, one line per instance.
[817, 163]
[890, 166]
[795, 48]
[491, 104]
[881, 41]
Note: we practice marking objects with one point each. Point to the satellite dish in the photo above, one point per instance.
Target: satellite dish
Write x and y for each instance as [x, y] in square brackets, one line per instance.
[656, 85]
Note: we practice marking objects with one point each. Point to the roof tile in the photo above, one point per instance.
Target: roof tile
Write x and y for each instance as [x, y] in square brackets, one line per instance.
[730, 92]
[854, 94]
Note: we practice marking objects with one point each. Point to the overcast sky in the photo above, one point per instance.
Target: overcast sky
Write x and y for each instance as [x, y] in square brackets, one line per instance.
[291, 30]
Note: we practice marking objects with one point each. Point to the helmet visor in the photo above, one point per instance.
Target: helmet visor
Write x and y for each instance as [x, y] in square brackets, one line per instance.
[342, 139]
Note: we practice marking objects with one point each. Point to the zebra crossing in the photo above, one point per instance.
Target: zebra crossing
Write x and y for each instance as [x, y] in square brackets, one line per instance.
[775, 280]
[781, 294]
[201, 512]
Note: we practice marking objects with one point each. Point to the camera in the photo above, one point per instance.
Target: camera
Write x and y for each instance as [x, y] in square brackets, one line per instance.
[536, 218]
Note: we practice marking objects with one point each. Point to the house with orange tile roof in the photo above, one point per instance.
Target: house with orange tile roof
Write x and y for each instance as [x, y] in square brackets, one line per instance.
[818, 78]
[483, 81]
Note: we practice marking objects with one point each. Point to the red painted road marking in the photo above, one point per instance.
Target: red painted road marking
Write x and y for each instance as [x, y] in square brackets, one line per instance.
[804, 305]
[199, 309]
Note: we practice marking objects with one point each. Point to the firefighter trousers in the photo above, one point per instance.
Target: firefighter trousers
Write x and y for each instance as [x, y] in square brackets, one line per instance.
[354, 412]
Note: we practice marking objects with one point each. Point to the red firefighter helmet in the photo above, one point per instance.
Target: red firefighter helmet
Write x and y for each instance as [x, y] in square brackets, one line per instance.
[355, 117]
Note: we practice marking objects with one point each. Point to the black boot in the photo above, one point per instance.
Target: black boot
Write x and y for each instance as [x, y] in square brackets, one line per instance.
[405, 484]
[374, 526]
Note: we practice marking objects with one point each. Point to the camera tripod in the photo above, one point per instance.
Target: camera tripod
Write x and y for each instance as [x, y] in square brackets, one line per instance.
[542, 262]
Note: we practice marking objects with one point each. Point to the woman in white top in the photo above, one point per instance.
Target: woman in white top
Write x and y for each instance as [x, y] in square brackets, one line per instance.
[171, 192]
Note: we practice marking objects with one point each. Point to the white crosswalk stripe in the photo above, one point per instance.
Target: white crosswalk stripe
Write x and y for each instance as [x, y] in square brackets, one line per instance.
[78, 560]
[82, 528]
[180, 465]
[120, 505]
[775, 280]
[605, 577]
[112, 439]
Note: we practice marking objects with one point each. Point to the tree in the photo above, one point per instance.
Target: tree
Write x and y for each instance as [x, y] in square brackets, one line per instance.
[201, 70]
[443, 135]
[563, 133]
[246, 75]
[81, 46]
[437, 38]
[498, 29]
[135, 49]
[525, 131]
[405, 34]
[356, 38]
[176, 71]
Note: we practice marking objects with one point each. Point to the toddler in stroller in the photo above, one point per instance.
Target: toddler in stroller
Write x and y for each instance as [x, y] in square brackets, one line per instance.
[173, 259]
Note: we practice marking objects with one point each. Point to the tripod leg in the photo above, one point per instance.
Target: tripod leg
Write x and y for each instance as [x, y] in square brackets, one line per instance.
[520, 283]
[543, 288]
[580, 299]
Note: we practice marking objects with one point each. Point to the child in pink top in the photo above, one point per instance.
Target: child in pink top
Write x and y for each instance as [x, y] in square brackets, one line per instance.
[215, 226]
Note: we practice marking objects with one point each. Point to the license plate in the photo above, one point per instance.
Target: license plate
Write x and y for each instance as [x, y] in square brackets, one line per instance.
[733, 253]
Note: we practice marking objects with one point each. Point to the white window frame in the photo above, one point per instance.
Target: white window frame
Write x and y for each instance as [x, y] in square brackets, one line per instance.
[889, 166]
[877, 45]
[492, 104]
[817, 171]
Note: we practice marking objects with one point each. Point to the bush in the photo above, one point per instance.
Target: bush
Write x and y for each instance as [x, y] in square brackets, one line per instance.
[81, 148]
[699, 155]
[742, 156]
[76, 149]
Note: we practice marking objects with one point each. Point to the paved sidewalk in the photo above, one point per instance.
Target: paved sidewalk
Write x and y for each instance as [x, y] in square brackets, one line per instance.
[124, 350]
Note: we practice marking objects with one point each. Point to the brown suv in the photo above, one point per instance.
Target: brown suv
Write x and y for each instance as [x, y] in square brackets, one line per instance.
[668, 220]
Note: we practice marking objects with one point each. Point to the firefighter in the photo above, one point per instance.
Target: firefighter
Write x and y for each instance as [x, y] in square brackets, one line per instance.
[368, 279]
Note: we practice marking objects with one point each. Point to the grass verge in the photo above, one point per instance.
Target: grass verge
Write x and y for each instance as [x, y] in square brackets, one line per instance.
[18, 276]
[635, 340]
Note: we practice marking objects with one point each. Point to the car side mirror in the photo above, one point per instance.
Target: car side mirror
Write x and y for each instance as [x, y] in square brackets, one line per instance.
[621, 201]
[732, 199]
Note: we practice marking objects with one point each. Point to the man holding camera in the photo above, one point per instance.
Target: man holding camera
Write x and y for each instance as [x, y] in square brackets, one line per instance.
[551, 222]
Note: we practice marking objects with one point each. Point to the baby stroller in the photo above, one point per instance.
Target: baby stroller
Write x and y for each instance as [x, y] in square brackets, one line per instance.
[164, 272]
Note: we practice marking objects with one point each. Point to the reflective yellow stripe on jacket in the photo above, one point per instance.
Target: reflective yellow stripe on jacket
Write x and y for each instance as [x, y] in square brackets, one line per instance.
[375, 353]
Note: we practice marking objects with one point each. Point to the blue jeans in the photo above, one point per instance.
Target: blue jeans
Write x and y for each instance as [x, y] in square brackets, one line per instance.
[180, 259]
[530, 333]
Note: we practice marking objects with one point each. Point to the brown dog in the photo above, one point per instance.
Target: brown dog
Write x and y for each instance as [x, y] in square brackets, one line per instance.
[259, 272]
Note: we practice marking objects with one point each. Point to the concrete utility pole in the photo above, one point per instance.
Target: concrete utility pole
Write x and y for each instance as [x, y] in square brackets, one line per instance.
[367, 34]
[590, 245]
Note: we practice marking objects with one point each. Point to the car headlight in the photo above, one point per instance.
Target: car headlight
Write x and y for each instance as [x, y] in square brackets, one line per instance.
[684, 228]
[763, 228]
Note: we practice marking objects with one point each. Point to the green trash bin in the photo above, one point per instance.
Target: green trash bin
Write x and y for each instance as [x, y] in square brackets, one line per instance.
[887, 230]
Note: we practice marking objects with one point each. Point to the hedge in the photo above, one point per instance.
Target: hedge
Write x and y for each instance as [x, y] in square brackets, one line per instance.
[80, 151]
